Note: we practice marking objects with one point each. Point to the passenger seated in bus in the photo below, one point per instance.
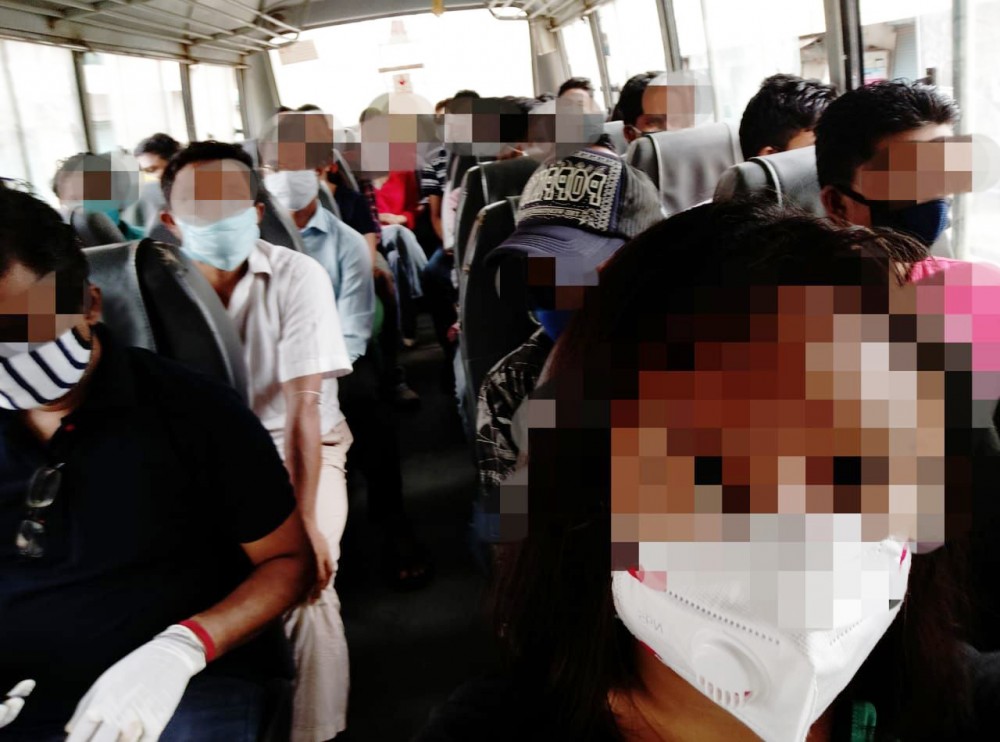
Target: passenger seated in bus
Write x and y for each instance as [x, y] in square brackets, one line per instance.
[151, 538]
[854, 134]
[629, 107]
[105, 183]
[152, 153]
[677, 100]
[579, 89]
[782, 115]
[283, 306]
[694, 434]
[294, 153]
[574, 236]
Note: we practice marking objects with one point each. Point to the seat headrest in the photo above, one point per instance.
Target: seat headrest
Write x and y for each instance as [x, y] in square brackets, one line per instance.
[788, 177]
[154, 298]
[686, 164]
[277, 226]
[94, 228]
[616, 131]
[345, 169]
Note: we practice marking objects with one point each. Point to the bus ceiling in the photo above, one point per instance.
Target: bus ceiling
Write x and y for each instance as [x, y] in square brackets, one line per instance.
[227, 31]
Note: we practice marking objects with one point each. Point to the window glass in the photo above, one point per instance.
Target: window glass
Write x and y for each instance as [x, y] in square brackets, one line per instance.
[907, 38]
[39, 124]
[215, 99]
[432, 56]
[715, 37]
[578, 40]
[131, 98]
[632, 36]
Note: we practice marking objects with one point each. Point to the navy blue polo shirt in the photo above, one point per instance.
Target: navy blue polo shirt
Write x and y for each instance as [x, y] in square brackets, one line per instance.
[165, 474]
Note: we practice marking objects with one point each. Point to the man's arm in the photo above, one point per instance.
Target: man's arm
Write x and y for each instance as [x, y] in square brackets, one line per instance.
[284, 569]
[303, 459]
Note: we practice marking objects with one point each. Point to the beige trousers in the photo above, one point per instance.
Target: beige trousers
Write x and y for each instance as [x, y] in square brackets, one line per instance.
[315, 630]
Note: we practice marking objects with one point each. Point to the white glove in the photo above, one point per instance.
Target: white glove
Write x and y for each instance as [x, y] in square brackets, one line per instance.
[14, 702]
[136, 697]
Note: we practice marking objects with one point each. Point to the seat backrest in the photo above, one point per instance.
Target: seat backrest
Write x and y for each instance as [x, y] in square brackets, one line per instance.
[94, 228]
[154, 298]
[277, 226]
[616, 130]
[327, 201]
[345, 169]
[158, 232]
[787, 177]
[490, 329]
[485, 184]
[686, 164]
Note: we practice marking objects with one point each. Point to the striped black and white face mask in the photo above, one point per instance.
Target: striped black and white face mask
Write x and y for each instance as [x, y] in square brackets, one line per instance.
[37, 374]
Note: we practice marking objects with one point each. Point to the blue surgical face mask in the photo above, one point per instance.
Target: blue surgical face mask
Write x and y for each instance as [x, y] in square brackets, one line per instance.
[924, 221]
[224, 244]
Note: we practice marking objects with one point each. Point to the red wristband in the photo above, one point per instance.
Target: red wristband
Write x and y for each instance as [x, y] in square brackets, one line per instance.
[203, 636]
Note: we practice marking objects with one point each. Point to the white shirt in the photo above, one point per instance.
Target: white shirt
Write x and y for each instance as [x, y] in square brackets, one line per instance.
[286, 315]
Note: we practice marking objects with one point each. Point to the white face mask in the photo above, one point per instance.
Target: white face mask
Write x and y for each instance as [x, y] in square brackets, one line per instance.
[37, 374]
[718, 626]
[293, 189]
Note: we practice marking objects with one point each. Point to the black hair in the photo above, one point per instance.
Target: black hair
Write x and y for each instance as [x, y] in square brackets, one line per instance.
[33, 234]
[69, 165]
[629, 105]
[368, 113]
[849, 131]
[465, 93]
[555, 614]
[282, 109]
[443, 103]
[784, 105]
[124, 183]
[159, 144]
[203, 152]
[306, 107]
[576, 83]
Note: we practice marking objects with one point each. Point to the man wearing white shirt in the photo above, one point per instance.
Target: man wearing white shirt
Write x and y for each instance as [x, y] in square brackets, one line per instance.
[283, 306]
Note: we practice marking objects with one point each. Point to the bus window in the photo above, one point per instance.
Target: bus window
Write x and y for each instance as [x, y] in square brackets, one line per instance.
[907, 38]
[216, 102]
[578, 40]
[40, 123]
[633, 41]
[715, 38]
[131, 98]
[428, 55]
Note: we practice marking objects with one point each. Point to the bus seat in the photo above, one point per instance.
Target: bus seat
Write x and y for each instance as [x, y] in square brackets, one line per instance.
[490, 328]
[458, 166]
[616, 130]
[345, 169]
[154, 298]
[327, 201]
[686, 164]
[277, 226]
[485, 184]
[158, 232]
[789, 177]
[94, 228]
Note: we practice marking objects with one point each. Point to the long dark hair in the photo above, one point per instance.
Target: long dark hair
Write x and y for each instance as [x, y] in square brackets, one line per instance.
[554, 610]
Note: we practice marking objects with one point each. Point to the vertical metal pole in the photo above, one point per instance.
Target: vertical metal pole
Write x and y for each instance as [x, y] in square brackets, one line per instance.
[961, 25]
[188, 105]
[81, 91]
[602, 60]
[716, 108]
[854, 55]
[241, 88]
[668, 30]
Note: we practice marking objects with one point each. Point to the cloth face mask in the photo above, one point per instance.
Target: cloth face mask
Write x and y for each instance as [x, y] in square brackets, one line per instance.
[224, 244]
[293, 189]
[33, 375]
[777, 681]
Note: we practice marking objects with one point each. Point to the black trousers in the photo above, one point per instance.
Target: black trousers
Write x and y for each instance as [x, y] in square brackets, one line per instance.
[375, 452]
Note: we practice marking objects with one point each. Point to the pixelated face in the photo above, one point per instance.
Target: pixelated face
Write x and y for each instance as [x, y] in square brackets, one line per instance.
[36, 310]
[396, 138]
[773, 457]
[206, 192]
[910, 167]
[667, 107]
[300, 141]
[100, 182]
